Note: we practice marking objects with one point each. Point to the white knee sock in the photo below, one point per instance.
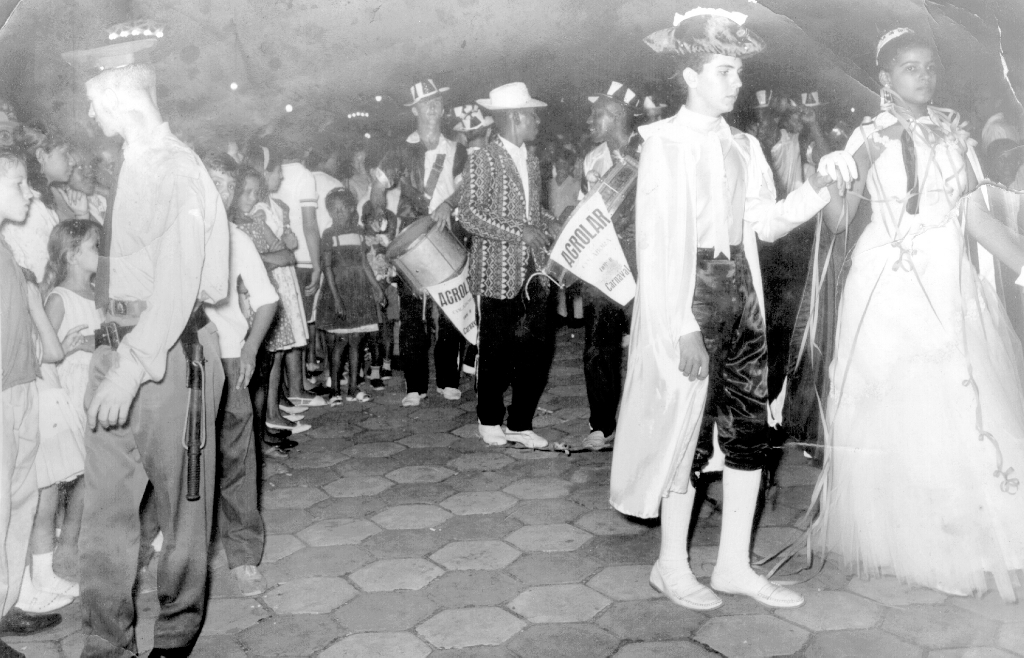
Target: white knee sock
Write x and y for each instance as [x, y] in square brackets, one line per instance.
[676, 509]
[738, 507]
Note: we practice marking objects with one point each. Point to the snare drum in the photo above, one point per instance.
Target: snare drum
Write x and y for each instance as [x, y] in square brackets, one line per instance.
[426, 254]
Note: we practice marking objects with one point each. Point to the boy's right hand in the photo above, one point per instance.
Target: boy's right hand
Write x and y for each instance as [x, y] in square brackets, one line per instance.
[693, 356]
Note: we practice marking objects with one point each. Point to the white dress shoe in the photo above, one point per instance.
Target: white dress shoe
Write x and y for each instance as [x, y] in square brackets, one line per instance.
[695, 596]
[492, 435]
[760, 589]
[450, 393]
[527, 439]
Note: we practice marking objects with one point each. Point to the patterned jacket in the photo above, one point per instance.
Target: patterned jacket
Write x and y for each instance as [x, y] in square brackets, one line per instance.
[493, 209]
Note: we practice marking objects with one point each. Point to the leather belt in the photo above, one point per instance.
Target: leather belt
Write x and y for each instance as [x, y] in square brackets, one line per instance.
[111, 333]
[119, 308]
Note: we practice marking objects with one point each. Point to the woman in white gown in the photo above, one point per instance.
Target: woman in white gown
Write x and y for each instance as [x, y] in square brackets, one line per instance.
[925, 413]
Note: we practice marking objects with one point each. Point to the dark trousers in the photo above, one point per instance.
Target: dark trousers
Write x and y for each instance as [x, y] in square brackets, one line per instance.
[517, 343]
[240, 524]
[259, 384]
[119, 462]
[605, 322]
[725, 306]
[414, 337]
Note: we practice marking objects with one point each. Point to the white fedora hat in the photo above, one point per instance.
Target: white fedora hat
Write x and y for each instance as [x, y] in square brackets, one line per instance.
[513, 96]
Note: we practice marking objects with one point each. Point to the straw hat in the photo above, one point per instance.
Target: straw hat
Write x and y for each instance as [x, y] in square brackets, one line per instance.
[513, 96]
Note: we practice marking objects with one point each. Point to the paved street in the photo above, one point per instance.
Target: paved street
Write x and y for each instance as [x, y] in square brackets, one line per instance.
[397, 533]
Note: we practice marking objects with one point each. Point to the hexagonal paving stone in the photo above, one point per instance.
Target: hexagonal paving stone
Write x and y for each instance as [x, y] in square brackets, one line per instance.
[309, 596]
[429, 440]
[357, 485]
[466, 589]
[385, 611]
[860, 643]
[401, 573]
[335, 532]
[228, 616]
[292, 498]
[374, 645]
[469, 430]
[290, 635]
[483, 554]
[479, 526]
[558, 603]
[990, 606]
[469, 627]
[305, 459]
[316, 561]
[546, 512]
[754, 636]
[286, 521]
[553, 568]
[279, 546]
[834, 611]
[481, 461]
[563, 641]
[533, 488]
[373, 450]
[367, 467]
[938, 627]
[404, 543]
[420, 474]
[554, 537]
[416, 494]
[889, 591]
[408, 517]
[222, 646]
[480, 481]
[609, 522]
[677, 649]
[650, 620]
[478, 502]
[628, 583]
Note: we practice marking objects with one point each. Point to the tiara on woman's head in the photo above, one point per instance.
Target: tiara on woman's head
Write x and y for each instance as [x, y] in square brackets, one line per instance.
[889, 36]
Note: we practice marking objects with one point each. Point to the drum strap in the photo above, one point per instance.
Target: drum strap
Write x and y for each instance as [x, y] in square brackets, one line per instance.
[435, 173]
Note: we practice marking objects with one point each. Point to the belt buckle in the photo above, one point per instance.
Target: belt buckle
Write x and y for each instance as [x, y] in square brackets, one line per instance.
[110, 334]
[120, 307]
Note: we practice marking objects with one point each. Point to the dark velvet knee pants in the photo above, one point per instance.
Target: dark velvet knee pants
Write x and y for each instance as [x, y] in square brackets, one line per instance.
[725, 306]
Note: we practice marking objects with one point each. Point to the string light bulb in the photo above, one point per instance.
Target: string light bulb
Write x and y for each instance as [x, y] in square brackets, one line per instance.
[234, 86]
[288, 107]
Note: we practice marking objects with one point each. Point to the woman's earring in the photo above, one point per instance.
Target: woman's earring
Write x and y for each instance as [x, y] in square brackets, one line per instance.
[886, 96]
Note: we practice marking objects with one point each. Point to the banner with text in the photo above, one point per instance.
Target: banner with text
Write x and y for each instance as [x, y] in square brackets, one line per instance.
[457, 302]
[589, 248]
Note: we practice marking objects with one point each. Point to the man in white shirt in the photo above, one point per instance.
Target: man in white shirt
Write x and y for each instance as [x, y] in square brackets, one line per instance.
[298, 191]
[241, 526]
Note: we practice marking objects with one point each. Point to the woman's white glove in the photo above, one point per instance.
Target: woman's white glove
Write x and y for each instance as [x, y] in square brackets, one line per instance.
[840, 167]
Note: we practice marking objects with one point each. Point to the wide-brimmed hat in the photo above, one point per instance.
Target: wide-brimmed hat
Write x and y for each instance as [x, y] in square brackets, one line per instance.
[622, 94]
[423, 90]
[652, 102]
[513, 96]
[810, 99]
[112, 56]
[470, 118]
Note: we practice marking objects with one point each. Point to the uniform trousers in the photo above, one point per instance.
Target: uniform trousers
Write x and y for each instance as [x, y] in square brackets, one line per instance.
[414, 337]
[605, 322]
[118, 464]
[240, 524]
[517, 343]
[18, 493]
[726, 308]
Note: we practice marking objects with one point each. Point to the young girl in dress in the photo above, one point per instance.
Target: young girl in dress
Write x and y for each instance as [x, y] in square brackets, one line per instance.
[254, 216]
[352, 309]
[70, 306]
[925, 412]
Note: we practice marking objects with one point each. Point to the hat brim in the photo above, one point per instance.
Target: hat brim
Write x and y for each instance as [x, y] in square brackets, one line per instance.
[634, 108]
[112, 56]
[425, 97]
[488, 105]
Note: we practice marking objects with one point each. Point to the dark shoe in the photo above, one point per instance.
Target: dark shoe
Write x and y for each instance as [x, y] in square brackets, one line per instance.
[385, 373]
[377, 384]
[19, 622]
[7, 651]
[182, 652]
[280, 444]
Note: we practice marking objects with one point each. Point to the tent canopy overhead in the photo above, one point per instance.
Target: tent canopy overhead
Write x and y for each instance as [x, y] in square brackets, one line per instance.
[231, 67]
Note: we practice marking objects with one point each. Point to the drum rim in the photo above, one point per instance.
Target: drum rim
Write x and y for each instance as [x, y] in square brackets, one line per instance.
[416, 241]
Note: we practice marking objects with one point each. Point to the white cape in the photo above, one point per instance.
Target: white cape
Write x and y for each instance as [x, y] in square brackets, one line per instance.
[660, 412]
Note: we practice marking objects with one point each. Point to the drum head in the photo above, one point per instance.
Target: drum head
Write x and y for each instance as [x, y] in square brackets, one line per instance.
[408, 238]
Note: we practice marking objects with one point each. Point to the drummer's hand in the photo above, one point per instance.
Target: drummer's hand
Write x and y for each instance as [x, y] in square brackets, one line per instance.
[693, 356]
[443, 215]
[535, 238]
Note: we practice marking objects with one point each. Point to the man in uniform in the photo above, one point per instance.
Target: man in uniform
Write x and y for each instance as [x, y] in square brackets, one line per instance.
[167, 240]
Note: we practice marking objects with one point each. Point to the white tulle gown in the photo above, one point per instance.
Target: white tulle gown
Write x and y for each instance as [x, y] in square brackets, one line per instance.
[925, 414]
